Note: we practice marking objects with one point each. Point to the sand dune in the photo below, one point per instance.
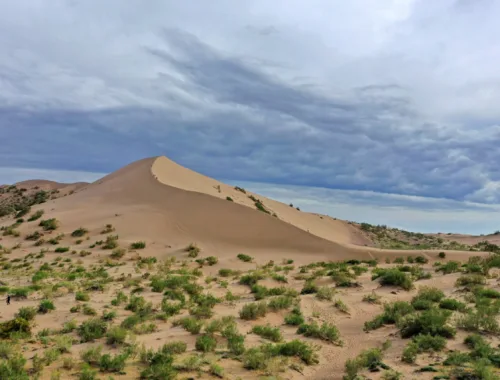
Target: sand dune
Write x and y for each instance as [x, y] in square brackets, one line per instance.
[157, 199]
[167, 206]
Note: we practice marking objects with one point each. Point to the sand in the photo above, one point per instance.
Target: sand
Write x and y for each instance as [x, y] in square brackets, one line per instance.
[169, 207]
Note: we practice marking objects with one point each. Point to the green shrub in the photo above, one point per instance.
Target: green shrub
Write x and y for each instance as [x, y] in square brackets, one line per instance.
[393, 277]
[393, 312]
[46, 306]
[295, 317]
[268, 332]
[245, 258]
[253, 311]
[49, 224]
[189, 324]
[19, 293]
[61, 249]
[81, 296]
[14, 326]
[325, 293]
[138, 245]
[206, 343]
[111, 242]
[470, 279]
[79, 232]
[452, 304]
[36, 215]
[370, 359]
[116, 335]
[117, 253]
[280, 303]
[432, 322]
[27, 313]
[212, 260]
[92, 329]
[193, 250]
[441, 255]
[327, 331]
[449, 267]
[309, 287]
[109, 363]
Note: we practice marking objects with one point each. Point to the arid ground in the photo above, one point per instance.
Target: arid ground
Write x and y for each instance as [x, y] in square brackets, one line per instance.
[158, 272]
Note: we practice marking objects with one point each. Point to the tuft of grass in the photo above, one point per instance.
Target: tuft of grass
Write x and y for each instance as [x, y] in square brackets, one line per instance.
[268, 332]
[46, 306]
[206, 343]
[92, 329]
[79, 232]
[190, 324]
[61, 249]
[253, 311]
[325, 293]
[369, 359]
[138, 245]
[327, 331]
[393, 277]
[27, 313]
[36, 215]
[49, 224]
[245, 258]
[295, 317]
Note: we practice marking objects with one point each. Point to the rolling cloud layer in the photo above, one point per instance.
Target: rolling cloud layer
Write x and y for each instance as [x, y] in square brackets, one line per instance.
[390, 101]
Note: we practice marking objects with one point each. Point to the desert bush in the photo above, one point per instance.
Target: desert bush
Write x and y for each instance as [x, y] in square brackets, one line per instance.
[116, 363]
[69, 326]
[16, 326]
[449, 267]
[478, 322]
[92, 329]
[268, 332]
[36, 215]
[325, 293]
[79, 232]
[61, 249]
[393, 312]
[470, 279]
[245, 258]
[341, 306]
[88, 310]
[253, 310]
[441, 255]
[138, 245]
[372, 298]
[189, 324]
[27, 313]
[452, 304]
[212, 260]
[370, 359]
[393, 277]
[34, 236]
[432, 322]
[63, 343]
[45, 306]
[117, 253]
[205, 343]
[193, 250]
[111, 242]
[280, 303]
[82, 296]
[327, 331]
[309, 287]
[49, 224]
[116, 335]
[295, 317]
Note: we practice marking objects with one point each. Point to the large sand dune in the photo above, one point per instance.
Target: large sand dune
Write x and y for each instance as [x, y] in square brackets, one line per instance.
[157, 199]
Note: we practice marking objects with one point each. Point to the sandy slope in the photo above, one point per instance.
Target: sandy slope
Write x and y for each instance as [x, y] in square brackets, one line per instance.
[168, 206]
[171, 206]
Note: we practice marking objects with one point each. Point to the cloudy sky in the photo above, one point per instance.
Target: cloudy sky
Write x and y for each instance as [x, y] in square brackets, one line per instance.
[373, 110]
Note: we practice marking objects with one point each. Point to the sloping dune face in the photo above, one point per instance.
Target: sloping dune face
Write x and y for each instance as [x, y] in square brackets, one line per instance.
[170, 173]
[158, 200]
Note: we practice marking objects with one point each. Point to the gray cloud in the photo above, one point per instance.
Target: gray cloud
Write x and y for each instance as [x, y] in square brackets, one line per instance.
[388, 97]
